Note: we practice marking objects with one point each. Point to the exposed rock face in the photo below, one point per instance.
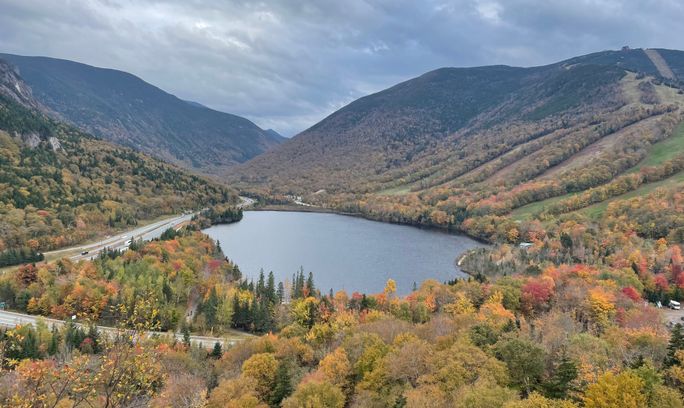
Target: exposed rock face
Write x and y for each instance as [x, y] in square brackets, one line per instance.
[124, 109]
[31, 140]
[55, 144]
[12, 86]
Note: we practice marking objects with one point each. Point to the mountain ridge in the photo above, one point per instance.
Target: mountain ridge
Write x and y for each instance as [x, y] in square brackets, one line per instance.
[436, 104]
[60, 186]
[457, 146]
[123, 108]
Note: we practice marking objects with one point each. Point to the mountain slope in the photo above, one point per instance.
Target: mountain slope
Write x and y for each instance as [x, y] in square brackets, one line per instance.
[124, 109]
[59, 185]
[390, 129]
[467, 143]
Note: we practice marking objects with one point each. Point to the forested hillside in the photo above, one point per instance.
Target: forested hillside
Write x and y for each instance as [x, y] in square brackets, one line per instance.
[574, 172]
[528, 331]
[459, 147]
[59, 185]
[121, 108]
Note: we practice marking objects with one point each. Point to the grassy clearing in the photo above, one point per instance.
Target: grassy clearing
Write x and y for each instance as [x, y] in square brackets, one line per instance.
[597, 210]
[664, 150]
[399, 190]
[657, 155]
[527, 211]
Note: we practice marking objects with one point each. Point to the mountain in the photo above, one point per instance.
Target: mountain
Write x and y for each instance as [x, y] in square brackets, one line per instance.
[126, 110]
[59, 185]
[196, 104]
[275, 134]
[488, 140]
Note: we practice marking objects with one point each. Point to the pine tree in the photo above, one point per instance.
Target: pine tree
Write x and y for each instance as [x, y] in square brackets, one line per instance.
[186, 336]
[270, 288]
[257, 316]
[217, 351]
[364, 302]
[237, 275]
[299, 284]
[53, 346]
[261, 285]
[94, 335]
[29, 345]
[210, 307]
[237, 313]
[676, 343]
[283, 384]
[281, 292]
[310, 285]
[560, 383]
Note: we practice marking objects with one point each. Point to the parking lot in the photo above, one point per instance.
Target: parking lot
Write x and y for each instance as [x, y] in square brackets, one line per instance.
[672, 316]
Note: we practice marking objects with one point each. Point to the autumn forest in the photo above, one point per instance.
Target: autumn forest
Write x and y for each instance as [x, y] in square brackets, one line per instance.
[571, 175]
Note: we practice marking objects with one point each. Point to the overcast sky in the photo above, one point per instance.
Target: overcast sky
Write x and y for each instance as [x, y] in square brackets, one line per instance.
[287, 64]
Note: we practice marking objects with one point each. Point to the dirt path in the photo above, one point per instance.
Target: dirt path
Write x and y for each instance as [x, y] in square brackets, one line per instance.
[660, 63]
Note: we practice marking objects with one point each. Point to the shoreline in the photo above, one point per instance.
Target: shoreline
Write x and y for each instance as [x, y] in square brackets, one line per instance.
[458, 259]
[324, 210]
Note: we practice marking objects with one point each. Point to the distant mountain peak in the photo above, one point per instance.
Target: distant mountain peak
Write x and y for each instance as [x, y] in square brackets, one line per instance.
[275, 134]
[122, 108]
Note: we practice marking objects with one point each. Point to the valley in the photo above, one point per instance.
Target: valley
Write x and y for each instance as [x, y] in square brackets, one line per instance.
[510, 160]
[344, 253]
[532, 228]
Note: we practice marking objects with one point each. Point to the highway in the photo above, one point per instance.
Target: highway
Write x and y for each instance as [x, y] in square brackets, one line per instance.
[120, 240]
[146, 232]
[12, 319]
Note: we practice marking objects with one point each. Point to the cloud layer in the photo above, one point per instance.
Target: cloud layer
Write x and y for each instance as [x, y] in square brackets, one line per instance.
[287, 64]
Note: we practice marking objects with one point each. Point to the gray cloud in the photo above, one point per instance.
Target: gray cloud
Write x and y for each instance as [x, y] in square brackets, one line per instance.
[286, 64]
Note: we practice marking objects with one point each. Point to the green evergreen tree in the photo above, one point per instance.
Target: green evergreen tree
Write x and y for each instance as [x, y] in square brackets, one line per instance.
[299, 284]
[237, 313]
[261, 285]
[53, 346]
[270, 288]
[94, 335]
[283, 384]
[29, 345]
[210, 307]
[566, 240]
[676, 343]
[310, 285]
[281, 292]
[217, 351]
[186, 335]
[560, 383]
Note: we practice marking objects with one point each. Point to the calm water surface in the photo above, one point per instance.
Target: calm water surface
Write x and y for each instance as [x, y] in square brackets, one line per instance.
[343, 252]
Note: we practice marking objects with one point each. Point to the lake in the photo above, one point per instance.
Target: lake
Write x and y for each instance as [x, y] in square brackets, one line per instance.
[343, 252]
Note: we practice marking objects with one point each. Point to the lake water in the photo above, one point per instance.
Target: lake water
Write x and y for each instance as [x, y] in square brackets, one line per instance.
[343, 252]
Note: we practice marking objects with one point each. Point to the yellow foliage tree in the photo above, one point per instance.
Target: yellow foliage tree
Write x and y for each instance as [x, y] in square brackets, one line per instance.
[624, 390]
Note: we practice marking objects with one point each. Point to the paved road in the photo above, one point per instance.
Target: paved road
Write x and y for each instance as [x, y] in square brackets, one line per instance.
[12, 319]
[119, 241]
